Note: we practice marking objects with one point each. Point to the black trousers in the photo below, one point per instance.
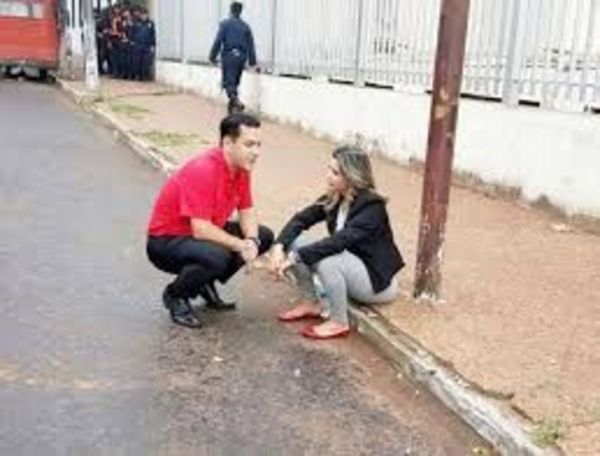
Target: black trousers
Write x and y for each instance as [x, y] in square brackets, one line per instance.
[197, 262]
[102, 56]
[116, 58]
[232, 66]
[121, 59]
[141, 62]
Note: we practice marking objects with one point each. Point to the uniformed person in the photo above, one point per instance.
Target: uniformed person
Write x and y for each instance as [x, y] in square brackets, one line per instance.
[126, 45]
[115, 35]
[144, 42]
[102, 28]
[235, 44]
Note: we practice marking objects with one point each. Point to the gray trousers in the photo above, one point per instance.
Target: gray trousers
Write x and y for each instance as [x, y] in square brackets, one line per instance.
[335, 279]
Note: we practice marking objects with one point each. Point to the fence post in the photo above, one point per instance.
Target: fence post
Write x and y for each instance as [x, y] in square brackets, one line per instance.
[359, 79]
[184, 56]
[155, 4]
[273, 34]
[510, 91]
[588, 53]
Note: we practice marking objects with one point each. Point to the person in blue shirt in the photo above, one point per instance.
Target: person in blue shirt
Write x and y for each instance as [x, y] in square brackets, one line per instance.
[144, 43]
[235, 44]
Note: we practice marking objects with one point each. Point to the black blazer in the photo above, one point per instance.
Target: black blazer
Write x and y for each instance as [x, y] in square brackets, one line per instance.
[367, 234]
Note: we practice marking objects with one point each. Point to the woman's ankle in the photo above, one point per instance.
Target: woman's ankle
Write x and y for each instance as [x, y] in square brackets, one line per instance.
[334, 325]
[308, 304]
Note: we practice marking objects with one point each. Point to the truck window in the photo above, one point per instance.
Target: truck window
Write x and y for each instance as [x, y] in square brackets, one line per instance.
[15, 8]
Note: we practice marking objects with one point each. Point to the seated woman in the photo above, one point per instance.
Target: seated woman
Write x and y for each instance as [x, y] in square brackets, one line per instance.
[358, 259]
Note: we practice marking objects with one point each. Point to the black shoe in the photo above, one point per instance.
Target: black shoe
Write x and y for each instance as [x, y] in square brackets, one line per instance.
[238, 106]
[230, 107]
[181, 311]
[234, 106]
[213, 300]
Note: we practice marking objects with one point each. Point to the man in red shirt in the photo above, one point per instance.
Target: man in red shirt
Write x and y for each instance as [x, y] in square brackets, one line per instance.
[190, 233]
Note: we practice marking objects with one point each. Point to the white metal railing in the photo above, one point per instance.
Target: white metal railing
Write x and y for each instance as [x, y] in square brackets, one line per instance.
[537, 51]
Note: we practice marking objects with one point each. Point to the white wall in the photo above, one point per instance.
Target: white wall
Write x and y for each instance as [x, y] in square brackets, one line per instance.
[544, 153]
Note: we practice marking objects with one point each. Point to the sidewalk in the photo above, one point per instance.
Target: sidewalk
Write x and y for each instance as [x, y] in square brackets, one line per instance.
[521, 319]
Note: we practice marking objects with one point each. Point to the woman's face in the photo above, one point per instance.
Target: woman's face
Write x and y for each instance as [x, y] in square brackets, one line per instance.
[335, 181]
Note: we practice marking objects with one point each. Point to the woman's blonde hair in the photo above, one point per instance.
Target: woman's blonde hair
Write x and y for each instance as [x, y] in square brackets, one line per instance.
[355, 168]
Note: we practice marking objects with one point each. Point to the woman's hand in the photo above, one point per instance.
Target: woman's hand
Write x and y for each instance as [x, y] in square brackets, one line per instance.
[284, 266]
[277, 258]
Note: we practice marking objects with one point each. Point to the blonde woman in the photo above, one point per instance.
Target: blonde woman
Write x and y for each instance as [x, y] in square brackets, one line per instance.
[358, 260]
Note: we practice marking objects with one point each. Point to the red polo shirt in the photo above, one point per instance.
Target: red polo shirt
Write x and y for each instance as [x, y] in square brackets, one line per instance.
[204, 188]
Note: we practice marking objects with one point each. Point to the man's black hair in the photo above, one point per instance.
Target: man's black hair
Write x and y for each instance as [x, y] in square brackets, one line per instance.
[230, 125]
[236, 9]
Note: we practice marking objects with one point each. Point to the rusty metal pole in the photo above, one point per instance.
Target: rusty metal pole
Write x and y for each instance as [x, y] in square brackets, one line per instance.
[449, 61]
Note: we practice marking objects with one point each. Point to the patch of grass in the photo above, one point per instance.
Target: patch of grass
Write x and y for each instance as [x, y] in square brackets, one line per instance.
[168, 139]
[129, 110]
[479, 451]
[89, 100]
[100, 97]
[548, 432]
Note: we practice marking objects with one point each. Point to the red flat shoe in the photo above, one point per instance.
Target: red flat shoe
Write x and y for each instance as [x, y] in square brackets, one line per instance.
[285, 316]
[309, 331]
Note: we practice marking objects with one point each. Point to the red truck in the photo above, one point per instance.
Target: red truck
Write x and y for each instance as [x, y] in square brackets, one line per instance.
[29, 34]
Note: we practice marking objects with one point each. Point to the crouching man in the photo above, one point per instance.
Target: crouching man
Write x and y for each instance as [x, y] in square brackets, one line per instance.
[190, 233]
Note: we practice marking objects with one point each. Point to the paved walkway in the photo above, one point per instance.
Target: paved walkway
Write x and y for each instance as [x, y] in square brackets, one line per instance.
[521, 317]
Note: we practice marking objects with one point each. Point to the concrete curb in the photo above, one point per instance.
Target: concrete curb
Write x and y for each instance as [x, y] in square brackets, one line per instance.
[491, 419]
[494, 421]
[156, 157]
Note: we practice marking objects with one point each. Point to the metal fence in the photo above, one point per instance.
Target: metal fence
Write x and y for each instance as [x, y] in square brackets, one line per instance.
[532, 51]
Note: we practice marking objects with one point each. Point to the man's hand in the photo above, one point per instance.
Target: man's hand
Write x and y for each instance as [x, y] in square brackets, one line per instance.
[249, 251]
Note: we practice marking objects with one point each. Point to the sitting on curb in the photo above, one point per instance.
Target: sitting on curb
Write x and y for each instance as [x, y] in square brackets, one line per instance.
[358, 260]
